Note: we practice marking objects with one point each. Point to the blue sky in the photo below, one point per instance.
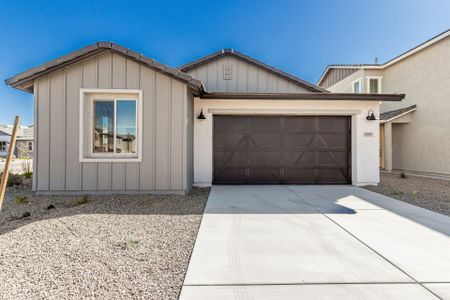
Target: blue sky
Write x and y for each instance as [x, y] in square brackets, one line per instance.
[300, 37]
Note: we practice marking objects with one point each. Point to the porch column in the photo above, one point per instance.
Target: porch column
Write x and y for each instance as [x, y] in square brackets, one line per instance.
[388, 146]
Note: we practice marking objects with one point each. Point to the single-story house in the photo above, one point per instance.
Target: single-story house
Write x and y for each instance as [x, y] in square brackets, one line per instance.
[415, 132]
[24, 141]
[108, 119]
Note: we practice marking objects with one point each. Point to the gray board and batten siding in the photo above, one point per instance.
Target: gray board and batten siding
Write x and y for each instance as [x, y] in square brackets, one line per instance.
[248, 75]
[167, 105]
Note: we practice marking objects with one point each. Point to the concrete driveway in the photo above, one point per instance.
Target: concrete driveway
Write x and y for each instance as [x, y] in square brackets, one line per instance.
[317, 242]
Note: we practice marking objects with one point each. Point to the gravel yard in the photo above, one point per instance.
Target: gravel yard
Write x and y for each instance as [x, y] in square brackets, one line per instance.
[429, 193]
[110, 247]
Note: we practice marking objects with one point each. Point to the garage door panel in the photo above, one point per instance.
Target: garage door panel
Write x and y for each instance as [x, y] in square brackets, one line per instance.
[264, 159]
[263, 141]
[286, 149]
[296, 124]
[230, 158]
[299, 140]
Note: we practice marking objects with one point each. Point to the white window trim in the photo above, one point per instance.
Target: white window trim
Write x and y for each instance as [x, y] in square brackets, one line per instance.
[379, 78]
[100, 157]
[360, 85]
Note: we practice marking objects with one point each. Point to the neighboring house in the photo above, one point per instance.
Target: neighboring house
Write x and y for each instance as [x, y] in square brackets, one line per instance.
[24, 141]
[109, 119]
[415, 132]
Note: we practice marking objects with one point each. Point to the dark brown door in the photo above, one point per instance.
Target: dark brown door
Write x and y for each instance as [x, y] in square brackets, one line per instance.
[286, 149]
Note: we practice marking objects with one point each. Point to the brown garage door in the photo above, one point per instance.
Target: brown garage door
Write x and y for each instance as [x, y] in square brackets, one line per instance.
[286, 149]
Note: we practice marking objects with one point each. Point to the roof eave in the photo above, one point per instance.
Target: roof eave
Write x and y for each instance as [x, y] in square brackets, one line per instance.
[306, 96]
[20, 80]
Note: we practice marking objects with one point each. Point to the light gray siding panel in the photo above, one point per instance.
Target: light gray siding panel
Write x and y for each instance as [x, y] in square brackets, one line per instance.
[212, 70]
[272, 83]
[35, 134]
[104, 169]
[222, 85]
[246, 77]
[147, 169]
[43, 134]
[262, 81]
[73, 166]
[119, 67]
[242, 76]
[167, 131]
[282, 85]
[190, 141]
[132, 169]
[177, 134]
[57, 130]
[163, 116]
[90, 77]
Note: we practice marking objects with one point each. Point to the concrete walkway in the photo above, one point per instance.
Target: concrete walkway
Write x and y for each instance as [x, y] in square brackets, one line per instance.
[317, 242]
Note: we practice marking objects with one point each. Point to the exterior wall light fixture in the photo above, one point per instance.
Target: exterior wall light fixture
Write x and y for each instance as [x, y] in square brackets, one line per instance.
[371, 116]
[201, 116]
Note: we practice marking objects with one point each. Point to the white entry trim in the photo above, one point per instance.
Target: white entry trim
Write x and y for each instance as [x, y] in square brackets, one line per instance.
[289, 112]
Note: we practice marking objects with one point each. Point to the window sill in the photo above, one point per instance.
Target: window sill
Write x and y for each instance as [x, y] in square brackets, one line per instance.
[111, 159]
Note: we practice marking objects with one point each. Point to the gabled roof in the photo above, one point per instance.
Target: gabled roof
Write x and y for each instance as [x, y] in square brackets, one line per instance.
[23, 132]
[394, 114]
[224, 52]
[396, 59]
[21, 80]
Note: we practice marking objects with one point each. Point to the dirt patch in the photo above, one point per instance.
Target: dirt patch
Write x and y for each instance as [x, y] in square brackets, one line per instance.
[429, 193]
[103, 247]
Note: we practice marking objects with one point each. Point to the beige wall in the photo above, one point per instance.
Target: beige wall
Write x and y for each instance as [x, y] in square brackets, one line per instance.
[423, 144]
[345, 85]
[165, 132]
[246, 78]
[425, 79]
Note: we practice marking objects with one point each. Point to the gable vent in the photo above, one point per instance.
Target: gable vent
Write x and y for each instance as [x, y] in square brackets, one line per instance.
[227, 72]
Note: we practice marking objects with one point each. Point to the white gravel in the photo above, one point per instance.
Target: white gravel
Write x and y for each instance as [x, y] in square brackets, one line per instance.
[113, 247]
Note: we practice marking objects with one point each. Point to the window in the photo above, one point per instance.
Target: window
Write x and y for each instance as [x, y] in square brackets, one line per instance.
[30, 146]
[3, 146]
[110, 125]
[356, 86]
[374, 85]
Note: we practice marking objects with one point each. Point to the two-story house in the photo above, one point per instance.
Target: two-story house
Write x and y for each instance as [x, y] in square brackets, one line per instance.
[414, 133]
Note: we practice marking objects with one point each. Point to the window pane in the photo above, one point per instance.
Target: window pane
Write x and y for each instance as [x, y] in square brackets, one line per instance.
[356, 87]
[104, 126]
[126, 126]
[373, 86]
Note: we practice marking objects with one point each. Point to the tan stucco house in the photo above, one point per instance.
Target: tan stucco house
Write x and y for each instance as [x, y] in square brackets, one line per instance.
[415, 133]
[109, 119]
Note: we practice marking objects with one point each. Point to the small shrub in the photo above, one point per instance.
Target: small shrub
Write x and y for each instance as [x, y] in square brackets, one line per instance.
[21, 199]
[27, 168]
[397, 193]
[13, 179]
[27, 175]
[402, 175]
[83, 200]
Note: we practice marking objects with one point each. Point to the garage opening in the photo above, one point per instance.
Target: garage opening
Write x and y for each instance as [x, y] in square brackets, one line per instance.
[282, 149]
